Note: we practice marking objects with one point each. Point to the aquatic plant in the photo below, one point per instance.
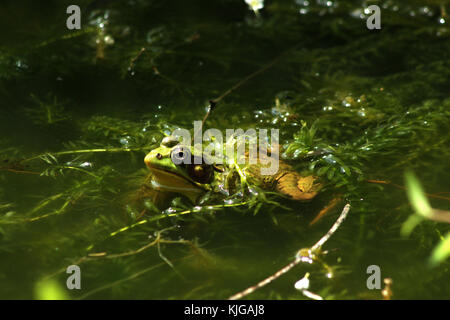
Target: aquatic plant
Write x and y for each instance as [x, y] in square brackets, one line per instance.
[355, 108]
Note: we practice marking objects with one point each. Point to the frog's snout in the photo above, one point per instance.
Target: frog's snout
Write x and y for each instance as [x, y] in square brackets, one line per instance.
[147, 159]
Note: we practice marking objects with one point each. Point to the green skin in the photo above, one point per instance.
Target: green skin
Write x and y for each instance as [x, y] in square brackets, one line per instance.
[193, 180]
[169, 177]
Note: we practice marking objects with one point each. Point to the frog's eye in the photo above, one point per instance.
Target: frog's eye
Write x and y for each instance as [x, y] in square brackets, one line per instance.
[201, 173]
[180, 155]
[159, 156]
[169, 142]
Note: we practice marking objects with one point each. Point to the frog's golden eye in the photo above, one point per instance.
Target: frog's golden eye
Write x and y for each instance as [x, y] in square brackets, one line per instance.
[199, 171]
[159, 156]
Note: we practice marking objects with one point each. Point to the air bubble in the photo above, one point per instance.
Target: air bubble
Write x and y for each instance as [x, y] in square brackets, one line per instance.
[108, 40]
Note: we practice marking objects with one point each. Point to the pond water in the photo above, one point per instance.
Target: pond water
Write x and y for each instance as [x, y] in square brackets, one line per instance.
[80, 109]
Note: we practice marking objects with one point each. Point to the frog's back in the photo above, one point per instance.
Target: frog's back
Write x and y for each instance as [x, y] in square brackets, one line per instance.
[286, 181]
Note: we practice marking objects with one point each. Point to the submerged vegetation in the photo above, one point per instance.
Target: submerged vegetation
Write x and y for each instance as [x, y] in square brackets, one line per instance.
[357, 108]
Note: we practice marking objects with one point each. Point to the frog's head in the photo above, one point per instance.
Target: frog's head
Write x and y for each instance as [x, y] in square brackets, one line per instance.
[171, 174]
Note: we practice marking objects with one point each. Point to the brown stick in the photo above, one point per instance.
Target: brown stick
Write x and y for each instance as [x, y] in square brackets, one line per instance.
[20, 171]
[403, 188]
[297, 260]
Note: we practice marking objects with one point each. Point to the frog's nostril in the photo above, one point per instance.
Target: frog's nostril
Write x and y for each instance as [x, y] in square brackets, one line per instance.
[159, 156]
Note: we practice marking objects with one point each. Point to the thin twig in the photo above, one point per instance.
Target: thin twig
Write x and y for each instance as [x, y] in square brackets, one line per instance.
[333, 229]
[297, 260]
[249, 77]
[19, 171]
[133, 61]
[264, 282]
[85, 151]
[437, 196]
[104, 255]
[176, 214]
[213, 103]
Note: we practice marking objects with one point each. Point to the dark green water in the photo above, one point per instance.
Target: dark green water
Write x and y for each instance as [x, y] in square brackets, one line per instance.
[379, 100]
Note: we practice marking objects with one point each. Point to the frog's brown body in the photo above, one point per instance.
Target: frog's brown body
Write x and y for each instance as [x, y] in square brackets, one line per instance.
[286, 181]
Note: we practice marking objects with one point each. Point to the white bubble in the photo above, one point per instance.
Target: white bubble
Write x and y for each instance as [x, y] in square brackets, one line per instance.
[86, 165]
[109, 40]
[302, 284]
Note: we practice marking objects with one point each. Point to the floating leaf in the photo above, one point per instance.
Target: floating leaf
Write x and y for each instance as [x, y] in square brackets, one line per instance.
[49, 290]
[417, 196]
[409, 225]
[441, 252]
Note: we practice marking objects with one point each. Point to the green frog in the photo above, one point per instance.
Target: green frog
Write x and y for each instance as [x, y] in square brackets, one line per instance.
[194, 180]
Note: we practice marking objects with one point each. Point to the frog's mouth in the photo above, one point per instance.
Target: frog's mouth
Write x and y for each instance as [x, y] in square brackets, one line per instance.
[170, 181]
